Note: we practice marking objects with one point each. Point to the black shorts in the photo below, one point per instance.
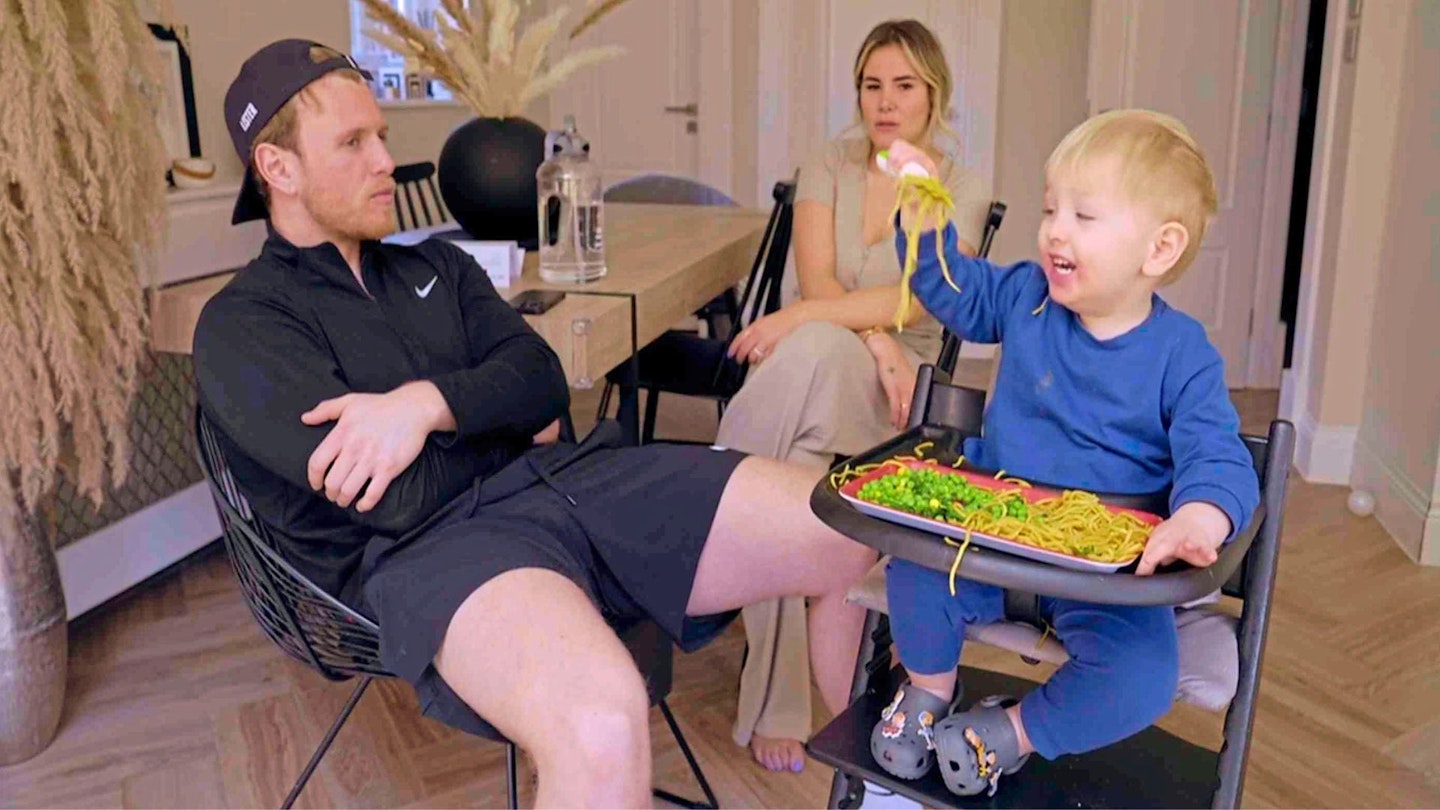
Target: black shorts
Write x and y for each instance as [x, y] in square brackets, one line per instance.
[631, 540]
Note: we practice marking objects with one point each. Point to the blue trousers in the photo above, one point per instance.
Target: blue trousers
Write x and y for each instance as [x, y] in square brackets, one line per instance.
[1121, 676]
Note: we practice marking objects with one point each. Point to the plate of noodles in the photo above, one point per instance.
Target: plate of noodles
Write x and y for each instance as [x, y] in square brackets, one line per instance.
[1069, 528]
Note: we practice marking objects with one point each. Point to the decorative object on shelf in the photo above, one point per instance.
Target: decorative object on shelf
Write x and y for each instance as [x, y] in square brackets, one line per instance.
[192, 172]
[176, 96]
[487, 166]
[80, 231]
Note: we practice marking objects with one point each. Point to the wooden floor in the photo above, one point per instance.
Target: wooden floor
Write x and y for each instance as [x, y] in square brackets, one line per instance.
[176, 700]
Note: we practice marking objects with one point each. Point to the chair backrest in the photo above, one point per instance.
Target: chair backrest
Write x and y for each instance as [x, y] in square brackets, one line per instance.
[304, 621]
[666, 188]
[950, 345]
[415, 182]
[762, 288]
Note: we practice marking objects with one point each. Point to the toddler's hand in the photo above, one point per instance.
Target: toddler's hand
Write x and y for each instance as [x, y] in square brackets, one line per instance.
[900, 156]
[901, 153]
[1193, 533]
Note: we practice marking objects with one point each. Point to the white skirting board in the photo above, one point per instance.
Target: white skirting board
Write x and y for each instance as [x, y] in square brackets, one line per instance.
[1324, 454]
[1403, 507]
[104, 564]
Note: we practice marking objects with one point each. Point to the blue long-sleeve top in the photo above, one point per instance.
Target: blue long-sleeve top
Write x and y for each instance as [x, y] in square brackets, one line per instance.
[1133, 414]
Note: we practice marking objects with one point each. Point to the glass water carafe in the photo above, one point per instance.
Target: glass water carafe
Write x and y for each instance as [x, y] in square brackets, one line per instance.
[572, 235]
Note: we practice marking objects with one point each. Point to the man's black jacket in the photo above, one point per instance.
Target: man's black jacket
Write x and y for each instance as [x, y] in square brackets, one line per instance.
[294, 328]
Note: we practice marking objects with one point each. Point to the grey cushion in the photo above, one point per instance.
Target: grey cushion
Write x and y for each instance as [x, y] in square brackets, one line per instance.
[1209, 657]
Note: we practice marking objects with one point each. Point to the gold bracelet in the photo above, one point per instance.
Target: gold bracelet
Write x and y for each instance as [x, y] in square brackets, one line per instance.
[874, 330]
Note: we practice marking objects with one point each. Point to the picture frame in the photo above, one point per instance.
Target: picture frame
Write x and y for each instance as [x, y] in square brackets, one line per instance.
[392, 83]
[175, 110]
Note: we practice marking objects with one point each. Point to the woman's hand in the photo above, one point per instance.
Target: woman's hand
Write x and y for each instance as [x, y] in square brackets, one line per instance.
[758, 340]
[897, 376]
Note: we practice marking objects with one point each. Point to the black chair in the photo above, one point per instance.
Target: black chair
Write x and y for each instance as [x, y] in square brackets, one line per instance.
[415, 182]
[681, 362]
[950, 345]
[668, 189]
[1153, 768]
[319, 631]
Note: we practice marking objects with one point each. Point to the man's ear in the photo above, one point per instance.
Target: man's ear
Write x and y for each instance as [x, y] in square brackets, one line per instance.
[279, 168]
[1167, 245]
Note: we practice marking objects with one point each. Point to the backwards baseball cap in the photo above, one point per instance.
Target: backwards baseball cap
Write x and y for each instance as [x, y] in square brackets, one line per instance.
[267, 80]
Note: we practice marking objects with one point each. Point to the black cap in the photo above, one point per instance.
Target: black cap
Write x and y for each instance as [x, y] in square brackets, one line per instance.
[267, 80]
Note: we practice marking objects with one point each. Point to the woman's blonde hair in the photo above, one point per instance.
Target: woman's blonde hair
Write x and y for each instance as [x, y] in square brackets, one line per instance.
[923, 51]
[1161, 167]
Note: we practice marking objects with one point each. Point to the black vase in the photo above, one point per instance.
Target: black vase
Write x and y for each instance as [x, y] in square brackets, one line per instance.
[487, 178]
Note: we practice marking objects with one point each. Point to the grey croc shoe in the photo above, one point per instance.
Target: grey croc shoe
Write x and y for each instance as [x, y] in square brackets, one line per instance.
[903, 741]
[976, 746]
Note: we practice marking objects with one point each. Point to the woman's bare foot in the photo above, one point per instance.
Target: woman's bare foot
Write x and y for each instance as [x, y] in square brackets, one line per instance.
[778, 754]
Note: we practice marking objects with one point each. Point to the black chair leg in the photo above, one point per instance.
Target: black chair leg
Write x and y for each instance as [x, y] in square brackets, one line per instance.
[325, 743]
[604, 408]
[512, 777]
[694, 768]
[652, 406]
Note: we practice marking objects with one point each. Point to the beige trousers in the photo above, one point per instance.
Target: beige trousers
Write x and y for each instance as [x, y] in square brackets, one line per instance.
[817, 396]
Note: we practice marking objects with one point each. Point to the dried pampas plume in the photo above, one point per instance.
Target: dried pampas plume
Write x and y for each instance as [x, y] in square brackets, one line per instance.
[82, 213]
[476, 54]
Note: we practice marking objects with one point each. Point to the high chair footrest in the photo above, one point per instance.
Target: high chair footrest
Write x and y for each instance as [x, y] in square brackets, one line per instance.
[1152, 769]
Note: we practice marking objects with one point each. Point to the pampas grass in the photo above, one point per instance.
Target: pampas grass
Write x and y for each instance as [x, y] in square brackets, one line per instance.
[476, 54]
[82, 214]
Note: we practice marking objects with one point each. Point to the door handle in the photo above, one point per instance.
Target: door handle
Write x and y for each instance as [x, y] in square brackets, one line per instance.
[692, 109]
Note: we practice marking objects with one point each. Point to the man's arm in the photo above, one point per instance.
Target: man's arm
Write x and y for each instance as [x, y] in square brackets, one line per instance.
[516, 386]
[260, 368]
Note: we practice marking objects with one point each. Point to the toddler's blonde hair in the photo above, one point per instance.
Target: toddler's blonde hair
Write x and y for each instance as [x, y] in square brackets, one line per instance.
[1161, 166]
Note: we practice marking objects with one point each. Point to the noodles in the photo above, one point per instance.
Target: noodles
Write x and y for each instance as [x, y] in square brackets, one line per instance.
[1074, 522]
[932, 206]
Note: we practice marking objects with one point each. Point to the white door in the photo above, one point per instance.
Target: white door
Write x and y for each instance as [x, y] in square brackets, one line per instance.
[640, 111]
[1211, 65]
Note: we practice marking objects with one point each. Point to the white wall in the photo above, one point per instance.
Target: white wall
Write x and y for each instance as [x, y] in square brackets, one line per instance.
[1044, 60]
[1398, 454]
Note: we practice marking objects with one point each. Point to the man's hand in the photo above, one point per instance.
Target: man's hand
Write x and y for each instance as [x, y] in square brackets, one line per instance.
[375, 438]
[758, 340]
[897, 376]
[1193, 533]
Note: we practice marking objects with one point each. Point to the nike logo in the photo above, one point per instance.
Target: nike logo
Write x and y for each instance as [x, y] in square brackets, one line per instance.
[424, 291]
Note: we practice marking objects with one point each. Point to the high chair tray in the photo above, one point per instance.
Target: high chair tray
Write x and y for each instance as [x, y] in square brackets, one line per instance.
[1151, 769]
[986, 562]
[851, 493]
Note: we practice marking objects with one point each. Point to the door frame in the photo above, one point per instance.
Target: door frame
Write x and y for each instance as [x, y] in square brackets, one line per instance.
[1266, 357]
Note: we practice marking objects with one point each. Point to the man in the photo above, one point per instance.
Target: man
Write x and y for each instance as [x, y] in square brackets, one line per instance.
[379, 405]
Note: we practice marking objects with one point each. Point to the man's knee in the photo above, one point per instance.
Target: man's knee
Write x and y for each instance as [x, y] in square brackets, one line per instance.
[602, 728]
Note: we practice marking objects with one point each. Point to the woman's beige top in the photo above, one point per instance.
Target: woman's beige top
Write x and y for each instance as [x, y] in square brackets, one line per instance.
[835, 175]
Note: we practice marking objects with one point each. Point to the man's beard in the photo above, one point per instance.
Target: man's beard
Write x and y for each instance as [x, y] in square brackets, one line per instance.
[351, 223]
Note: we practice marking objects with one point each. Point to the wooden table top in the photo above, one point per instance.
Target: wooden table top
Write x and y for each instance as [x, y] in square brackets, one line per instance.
[665, 260]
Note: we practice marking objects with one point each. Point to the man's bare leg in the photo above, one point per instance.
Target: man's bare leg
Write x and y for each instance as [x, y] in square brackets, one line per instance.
[512, 652]
[765, 542]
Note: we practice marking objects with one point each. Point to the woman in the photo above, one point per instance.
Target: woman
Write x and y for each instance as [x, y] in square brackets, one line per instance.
[828, 373]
